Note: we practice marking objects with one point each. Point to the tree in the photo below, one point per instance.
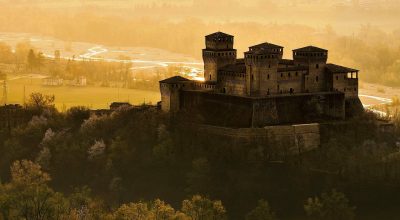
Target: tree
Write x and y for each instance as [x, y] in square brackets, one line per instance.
[40, 60]
[27, 196]
[57, 55]
[83, 206]
[38, 101]
[156, 210]
[161, 211]
[261, 212]
[75, 116]
[6, 55]
[330, 206]
[96, 150]
[201, 208]
[31, 59]
[137, 211]
[21, 52]
[198, 179]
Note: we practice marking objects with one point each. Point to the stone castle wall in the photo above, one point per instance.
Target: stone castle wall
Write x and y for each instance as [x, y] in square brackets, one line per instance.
[296, 139]
[238, 111]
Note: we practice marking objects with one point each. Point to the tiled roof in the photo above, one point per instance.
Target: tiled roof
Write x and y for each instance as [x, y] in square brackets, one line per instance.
[310, 49]
[174, 79]
[217, 35]
[333, 68]
[266, 45]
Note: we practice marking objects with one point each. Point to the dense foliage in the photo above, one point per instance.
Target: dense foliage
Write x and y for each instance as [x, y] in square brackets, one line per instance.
[139, 154]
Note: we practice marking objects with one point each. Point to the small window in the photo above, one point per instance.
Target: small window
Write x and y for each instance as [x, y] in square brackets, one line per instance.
[297, 73]
[282, 75]
[268, 76]
[349, 75]
[317, 66]
[289, 75]
[316, 79]
[337, 77]
[252, 77]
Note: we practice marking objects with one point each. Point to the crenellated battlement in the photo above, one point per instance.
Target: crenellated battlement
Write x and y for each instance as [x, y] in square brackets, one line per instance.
[287, 90]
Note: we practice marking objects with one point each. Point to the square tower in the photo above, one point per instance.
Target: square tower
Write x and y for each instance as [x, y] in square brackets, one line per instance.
[218, 53]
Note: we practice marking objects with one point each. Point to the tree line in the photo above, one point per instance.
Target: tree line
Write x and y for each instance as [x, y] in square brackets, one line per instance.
[136, 155]
[29, 196]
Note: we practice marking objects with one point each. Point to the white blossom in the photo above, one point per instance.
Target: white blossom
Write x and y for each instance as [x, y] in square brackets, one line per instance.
[96, 149]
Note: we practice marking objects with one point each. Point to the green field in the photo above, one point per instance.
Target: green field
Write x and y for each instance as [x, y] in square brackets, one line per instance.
[90, 96]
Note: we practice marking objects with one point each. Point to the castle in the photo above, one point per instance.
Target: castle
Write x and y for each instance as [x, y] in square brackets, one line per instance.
[263, 89]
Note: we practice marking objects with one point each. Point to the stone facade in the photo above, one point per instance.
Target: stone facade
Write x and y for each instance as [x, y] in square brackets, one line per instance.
[291, 139]
[263, 89]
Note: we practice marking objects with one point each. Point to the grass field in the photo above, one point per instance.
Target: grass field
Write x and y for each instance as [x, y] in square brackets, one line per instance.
[90, 96]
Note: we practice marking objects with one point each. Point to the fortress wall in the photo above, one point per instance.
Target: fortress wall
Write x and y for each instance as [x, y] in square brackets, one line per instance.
[218, 109]
[243, 112]
[334, 106]
[353, 107]
[295, 139]
[281, 110]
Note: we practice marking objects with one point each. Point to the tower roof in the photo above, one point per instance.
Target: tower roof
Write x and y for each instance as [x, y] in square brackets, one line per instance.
[333, 68]
[310, 49]
[218, 35]
[174, 79]
[265, 45]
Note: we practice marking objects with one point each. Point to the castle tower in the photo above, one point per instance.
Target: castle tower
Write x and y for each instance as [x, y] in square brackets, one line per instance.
[315, 59]
[170, 93]
[219, 52]
[262, 62]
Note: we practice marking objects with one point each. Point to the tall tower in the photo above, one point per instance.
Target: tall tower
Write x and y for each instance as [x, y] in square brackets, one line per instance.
[170, 93]
[219, 52]
[262, 62]
[315, 59]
